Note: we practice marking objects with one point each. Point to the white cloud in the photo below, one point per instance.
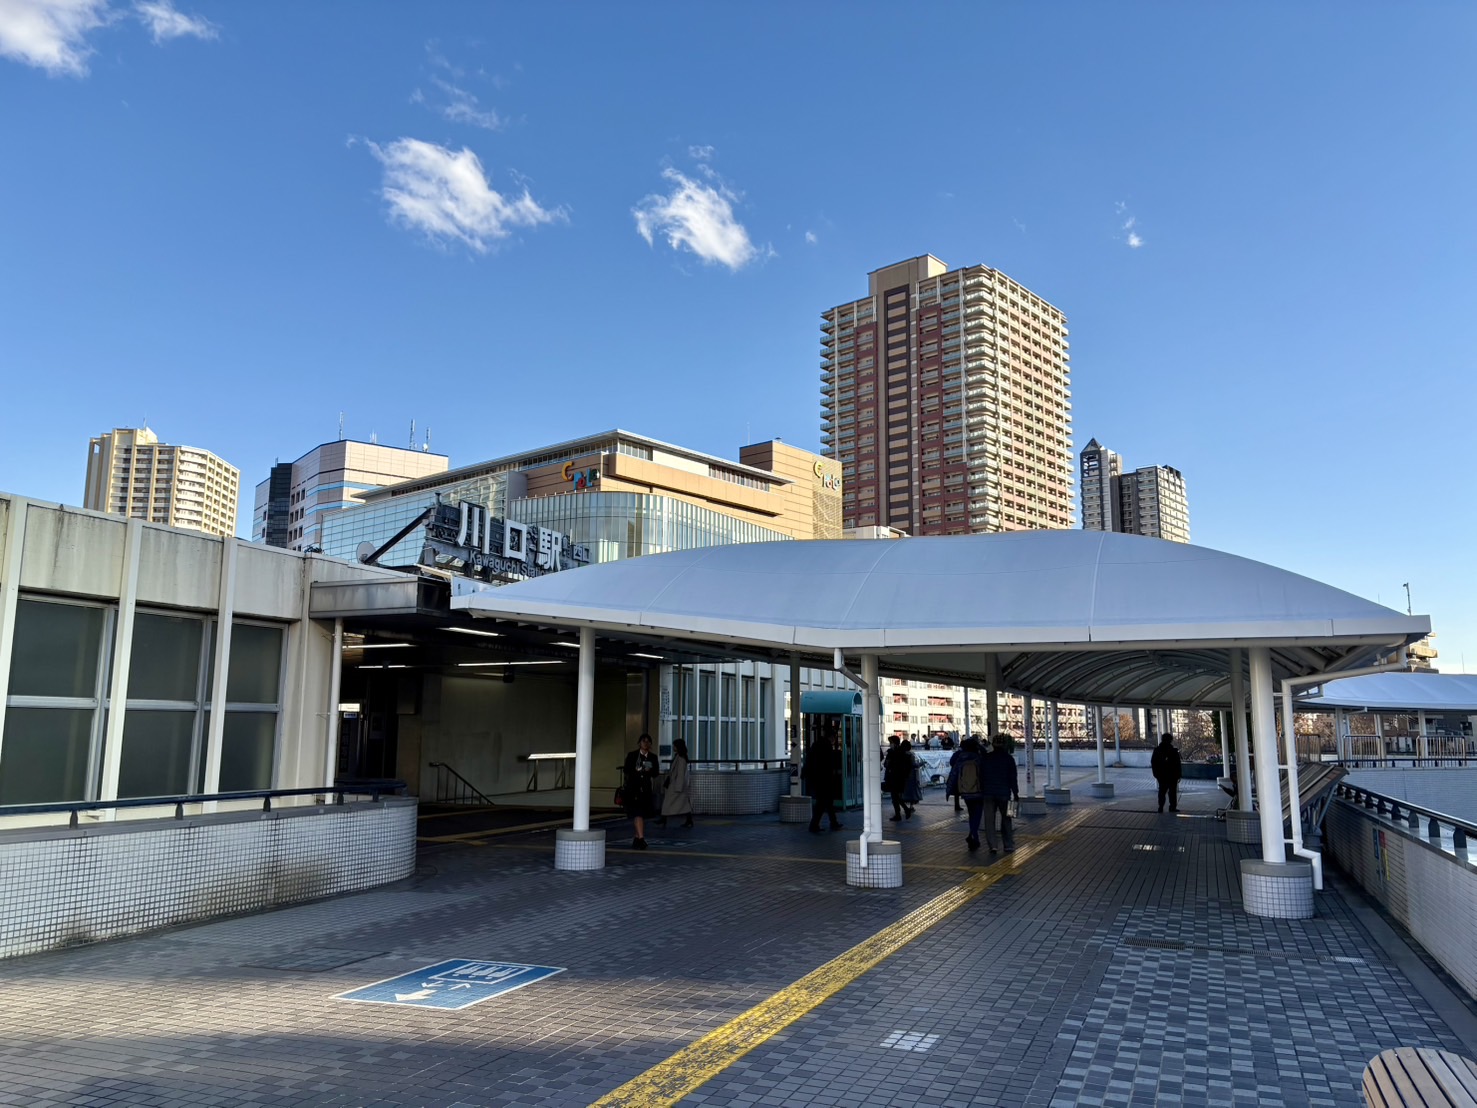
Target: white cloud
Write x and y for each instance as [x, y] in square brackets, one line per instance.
[698, 217]
[1131, 237]
[165, 23]
[463, 107]
[700, 153]
[810, 238]
[51, 34]
[1134, 240]
[446, 195]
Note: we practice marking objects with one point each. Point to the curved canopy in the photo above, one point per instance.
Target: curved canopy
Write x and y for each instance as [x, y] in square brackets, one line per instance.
[1398, 692]
[1071, 615]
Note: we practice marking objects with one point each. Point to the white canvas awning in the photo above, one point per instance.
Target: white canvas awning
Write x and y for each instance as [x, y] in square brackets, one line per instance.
[1397, 692]
[1072, 615]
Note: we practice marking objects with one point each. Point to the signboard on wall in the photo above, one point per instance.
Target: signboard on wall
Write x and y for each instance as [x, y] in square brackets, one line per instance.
[467, 536]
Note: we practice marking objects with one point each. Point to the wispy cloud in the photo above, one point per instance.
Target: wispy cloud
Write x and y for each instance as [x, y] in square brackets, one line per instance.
[810, 238]
[446, 195]
[1130, 236]
[697, 217]
[165, 23]
[700, 153]
[458, 103]
[53, 34]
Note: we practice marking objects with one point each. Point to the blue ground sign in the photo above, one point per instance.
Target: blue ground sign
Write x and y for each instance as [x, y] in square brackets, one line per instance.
[451, 985]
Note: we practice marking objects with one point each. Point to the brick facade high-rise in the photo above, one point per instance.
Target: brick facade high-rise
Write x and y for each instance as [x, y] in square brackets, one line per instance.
[946, 398]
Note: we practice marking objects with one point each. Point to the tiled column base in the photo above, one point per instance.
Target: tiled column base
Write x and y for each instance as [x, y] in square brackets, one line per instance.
[1031, 806]
[1277, 890]
[884, 865]
[579, 849]
[1103, 789]
[794, 809]
[1243, 827]
[1057, 796]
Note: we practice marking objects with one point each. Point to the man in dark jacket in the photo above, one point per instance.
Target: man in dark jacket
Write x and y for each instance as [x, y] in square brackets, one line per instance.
[820, 773]
[1166, 766]
[1001, 785]
[969, 783]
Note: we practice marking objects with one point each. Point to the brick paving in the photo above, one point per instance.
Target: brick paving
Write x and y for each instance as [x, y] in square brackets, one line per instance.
[1113, 968]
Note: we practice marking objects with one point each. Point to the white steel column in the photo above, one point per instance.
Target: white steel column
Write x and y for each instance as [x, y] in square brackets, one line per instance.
[1264, 738]
[1056, 749]
[1243, 740]
[1117, 735]
[1423, 742]
[1225, 721]
[330, 738]
[1028, 732]
[225, 604]
[122, 654]
[584, 729]
[1339, 743]
[796, 731]
[871, 750]
[1102, 749]
[10, 584]
[992, 698]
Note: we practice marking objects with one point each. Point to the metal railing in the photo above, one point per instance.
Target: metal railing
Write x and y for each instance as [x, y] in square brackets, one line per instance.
[739, 765]
[1412, 815]
[453, 788]
[372, 789]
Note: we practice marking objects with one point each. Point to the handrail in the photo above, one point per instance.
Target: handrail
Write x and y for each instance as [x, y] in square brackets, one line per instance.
[1410, 814]
[470, 789]
[739, 763]
[372, 789]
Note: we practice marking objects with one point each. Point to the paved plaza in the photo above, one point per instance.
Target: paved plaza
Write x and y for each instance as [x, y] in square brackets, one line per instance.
[1106, 961]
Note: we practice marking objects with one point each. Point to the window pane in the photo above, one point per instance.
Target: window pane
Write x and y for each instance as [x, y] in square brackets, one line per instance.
[62, 643]
[44, 757]
[247, 751]
[256, 665]
[166, 659]
[156, 753]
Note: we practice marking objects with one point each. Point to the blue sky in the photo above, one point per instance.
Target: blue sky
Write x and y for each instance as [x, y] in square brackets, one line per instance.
[516, 223]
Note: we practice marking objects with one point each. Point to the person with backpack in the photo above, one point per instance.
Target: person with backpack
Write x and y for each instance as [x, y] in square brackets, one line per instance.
[967, 781]
[1001, 785]
[1165, 765]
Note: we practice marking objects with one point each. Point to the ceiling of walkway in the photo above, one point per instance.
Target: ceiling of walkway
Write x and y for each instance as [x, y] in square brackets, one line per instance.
[1071, 615]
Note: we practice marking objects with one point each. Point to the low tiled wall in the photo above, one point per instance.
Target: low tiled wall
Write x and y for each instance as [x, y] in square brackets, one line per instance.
[65, 886]
[737, 793]
[1429, 889]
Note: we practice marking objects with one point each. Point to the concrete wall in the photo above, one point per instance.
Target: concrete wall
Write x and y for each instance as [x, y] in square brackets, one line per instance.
[61, 887]
[1428, 888]
[1450, 789]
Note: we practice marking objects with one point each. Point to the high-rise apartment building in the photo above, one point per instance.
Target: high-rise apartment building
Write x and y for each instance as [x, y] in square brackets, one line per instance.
[1149, 501]
[131, 473]
[946, 398]
[291, 503]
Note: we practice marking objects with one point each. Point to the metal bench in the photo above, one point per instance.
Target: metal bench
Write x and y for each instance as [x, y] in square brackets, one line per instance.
[1418, 1077]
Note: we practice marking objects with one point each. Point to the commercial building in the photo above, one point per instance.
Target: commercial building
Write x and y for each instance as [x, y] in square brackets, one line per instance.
[131, 473]
[946, 398]
[1149, 501]
[292, 502]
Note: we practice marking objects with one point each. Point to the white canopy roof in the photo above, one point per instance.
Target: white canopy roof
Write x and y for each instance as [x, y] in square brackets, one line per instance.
[1398, 692]
[1073, 615]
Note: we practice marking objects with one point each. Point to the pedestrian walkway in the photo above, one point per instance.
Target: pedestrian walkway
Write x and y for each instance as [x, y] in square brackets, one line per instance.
[1106, 961]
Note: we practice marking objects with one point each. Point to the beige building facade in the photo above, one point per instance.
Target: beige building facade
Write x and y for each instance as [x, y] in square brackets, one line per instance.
[131, 473]
[946, 396]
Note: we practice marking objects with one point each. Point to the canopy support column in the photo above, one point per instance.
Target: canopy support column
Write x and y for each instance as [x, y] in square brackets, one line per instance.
[1271, 885]
[870, 862]
[795, 808]
[1102, 787]
[1030, 804]
[1054, 793]
[579, 848]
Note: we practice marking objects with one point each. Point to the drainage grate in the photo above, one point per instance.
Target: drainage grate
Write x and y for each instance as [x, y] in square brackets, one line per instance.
[915, 1041]
[1157, 944]
[312, 961]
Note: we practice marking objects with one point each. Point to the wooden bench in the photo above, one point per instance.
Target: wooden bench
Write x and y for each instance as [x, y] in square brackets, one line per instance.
[1418, 1077]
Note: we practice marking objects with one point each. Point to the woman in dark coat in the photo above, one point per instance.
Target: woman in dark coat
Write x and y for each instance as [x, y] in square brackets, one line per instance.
[895, 773]
[639, 787]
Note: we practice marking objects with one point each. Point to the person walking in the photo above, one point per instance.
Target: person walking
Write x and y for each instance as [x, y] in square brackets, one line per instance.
[639, 791]
[967, 782]
[676, 799]
[1166, 767]
[1001, 785]
[896, 768]
[819, 774]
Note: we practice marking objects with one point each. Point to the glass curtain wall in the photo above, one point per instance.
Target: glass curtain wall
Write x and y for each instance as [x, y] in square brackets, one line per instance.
[57, 708]
[722, 711]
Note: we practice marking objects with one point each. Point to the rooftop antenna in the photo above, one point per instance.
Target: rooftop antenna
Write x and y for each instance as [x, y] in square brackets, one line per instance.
[427, 446]
[341, 426]
[411, 443]
[1406, 587]
[374, 437]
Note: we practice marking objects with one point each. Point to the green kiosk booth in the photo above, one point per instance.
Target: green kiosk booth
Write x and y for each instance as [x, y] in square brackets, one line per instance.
[837, 715]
